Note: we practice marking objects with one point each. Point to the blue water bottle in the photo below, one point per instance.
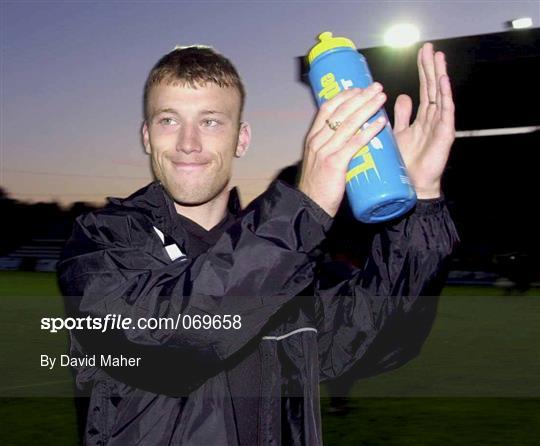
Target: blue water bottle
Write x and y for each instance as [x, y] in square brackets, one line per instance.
[378, 186]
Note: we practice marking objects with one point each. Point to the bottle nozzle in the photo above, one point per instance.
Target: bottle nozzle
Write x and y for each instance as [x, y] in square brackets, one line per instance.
[325, 36]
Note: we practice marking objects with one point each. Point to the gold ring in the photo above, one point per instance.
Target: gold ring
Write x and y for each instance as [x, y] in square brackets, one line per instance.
[333, 125]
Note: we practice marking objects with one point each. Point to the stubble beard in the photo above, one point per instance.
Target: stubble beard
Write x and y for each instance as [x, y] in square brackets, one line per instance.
[192, 189]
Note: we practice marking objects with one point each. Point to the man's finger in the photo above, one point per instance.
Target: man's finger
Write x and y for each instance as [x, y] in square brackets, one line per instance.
[424, 95]
[361, 139]
[440, 70]
[353, 115]
[326, 109]
[342, 114]
[447, 102]
[402, 112]
[428, 63]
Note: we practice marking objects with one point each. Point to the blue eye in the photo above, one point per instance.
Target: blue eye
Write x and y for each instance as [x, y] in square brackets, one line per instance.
[166, 121]
[211, 122]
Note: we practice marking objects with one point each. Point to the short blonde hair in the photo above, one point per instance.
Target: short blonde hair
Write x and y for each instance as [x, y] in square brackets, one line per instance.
[194, 65]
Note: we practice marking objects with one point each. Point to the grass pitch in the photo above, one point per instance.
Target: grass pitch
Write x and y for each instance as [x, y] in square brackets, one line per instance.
[477, 381]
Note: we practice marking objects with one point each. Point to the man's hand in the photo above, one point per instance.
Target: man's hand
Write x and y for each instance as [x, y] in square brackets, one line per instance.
[327, 152]
[425, 144]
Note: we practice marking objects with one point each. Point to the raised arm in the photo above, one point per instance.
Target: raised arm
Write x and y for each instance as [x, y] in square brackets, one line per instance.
[377, 318]
[383, 313]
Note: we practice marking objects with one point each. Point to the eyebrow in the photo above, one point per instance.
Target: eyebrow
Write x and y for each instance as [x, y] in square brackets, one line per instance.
[212, 112]
[163, 110]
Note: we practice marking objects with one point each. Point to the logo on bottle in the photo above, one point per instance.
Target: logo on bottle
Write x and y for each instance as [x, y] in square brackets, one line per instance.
[330, 86]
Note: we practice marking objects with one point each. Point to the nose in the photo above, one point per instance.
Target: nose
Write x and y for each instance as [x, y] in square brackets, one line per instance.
[189, 139]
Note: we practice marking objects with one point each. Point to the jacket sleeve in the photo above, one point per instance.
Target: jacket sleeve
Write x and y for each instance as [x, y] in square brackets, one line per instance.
[261, 262]
[375, 319]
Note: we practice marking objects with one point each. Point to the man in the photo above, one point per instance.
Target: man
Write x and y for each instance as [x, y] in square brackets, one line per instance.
[264, 319]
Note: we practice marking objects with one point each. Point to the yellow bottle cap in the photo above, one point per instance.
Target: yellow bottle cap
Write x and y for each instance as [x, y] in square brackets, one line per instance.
[328, 42]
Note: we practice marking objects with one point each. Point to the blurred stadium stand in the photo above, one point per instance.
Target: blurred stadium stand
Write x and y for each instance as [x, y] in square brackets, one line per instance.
[38, 255]
[32, 235]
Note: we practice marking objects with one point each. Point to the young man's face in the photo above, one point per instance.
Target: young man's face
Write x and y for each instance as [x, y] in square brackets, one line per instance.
[192, 136]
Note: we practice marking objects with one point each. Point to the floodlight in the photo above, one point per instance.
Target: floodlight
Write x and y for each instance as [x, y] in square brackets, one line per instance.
[402, 35]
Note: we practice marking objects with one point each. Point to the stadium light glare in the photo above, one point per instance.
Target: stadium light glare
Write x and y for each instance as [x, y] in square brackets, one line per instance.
[402, 35]
[523, 22]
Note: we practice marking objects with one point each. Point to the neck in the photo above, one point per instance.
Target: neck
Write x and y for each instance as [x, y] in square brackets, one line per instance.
[207, 214]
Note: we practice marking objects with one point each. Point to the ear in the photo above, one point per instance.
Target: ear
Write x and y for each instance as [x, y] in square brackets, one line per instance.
[146, 138]
[244, 138]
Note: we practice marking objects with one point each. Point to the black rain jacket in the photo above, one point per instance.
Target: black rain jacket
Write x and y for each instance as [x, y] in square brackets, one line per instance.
[306, 319]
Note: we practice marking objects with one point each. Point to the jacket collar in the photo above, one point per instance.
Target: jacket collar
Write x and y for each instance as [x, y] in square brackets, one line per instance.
[154, 201]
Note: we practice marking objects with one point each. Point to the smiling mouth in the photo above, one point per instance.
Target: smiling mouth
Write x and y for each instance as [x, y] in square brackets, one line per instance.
[189, 166]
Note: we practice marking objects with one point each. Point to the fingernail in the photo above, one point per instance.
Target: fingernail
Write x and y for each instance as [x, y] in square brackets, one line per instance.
[377, 86]
[381, 119]
[381, 96]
